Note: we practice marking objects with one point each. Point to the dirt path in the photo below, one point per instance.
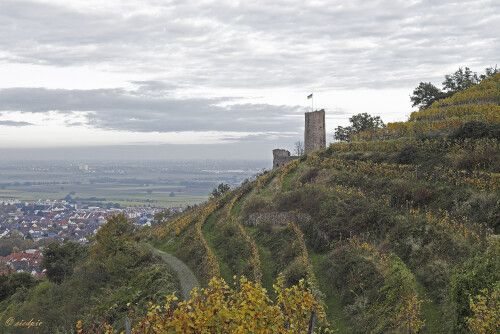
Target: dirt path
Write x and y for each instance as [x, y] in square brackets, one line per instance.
[186, 277]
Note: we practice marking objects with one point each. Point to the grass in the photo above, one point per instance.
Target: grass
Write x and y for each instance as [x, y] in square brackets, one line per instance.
[267, 188]
[287, 180]
[208, 229]
[267, 264]
[430, 312]
[334, 313]
[236, 210]
[168, 245]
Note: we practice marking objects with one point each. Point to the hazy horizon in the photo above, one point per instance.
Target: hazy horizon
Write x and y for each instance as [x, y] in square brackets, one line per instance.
[92, 78]
[230, 152]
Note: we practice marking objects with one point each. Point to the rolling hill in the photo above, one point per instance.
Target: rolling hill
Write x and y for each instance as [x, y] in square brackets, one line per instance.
[395, 231]
[397, 226]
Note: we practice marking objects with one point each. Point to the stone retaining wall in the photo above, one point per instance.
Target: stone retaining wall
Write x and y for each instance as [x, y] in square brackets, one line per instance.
[276, 218]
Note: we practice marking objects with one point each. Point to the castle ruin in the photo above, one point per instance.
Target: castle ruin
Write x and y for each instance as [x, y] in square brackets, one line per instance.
[281, 157]
[314, 138]
[314, 132]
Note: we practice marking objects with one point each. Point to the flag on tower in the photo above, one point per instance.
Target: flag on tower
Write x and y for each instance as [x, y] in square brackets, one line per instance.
[309, 96]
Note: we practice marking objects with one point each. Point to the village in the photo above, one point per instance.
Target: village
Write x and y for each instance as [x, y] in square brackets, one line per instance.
[46, 221]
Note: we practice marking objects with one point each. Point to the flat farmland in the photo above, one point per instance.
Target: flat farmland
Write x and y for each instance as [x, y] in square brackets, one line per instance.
[161, 184]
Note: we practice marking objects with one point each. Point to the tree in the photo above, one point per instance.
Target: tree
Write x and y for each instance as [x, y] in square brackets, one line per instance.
[462, 79]
[489, 72]
[220, 190]
[298, 148]
[19, 280]
[342, 133]
[4, 287]
[113, 237]
[360, 122]
[425, 95]
[364, 122]
[116, 251]
[60, 260]
[163, 216]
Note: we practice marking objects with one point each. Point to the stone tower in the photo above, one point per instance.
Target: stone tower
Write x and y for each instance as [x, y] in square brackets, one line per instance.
[281, 157]
[314, 133]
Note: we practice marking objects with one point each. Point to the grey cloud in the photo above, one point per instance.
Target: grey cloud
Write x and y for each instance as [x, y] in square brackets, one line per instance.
[14, 123]
[258, 44]
[122, 109]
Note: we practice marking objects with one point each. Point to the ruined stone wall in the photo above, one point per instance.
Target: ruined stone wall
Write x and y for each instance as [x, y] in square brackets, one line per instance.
[281, 218]
[282, 157]
[276, 218]
[314, 133]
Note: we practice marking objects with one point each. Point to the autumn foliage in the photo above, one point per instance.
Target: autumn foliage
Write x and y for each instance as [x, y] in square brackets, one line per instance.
[486, 308]
[244, 309]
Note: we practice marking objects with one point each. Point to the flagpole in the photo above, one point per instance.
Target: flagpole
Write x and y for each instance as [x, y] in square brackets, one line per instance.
[312, 103]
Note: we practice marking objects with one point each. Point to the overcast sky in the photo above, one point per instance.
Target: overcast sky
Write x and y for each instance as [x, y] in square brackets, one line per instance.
[158, 79]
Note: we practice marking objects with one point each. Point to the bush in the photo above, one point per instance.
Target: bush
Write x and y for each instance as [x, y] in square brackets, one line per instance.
[233, 249]
[191, 250]
[358, 282]
[407, 155]
[307, 175]
[282, 242]
[254, 204]
[476, 130]
[483, 208]
[295, 272]
[307, 200]
[480, 272]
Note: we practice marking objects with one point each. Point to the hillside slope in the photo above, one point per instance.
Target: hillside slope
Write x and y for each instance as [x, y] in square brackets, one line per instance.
[397, 232]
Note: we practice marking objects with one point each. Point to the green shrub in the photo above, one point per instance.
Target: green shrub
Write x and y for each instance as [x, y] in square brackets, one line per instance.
[476, 130]
[480, 272]
[358, 282]
[254, 204]
[282, 242]
[233, 249]
[407, 155]
[483, 208]
[295, 272]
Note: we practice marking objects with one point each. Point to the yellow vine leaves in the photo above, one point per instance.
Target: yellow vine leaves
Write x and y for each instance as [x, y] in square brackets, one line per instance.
[244, 309]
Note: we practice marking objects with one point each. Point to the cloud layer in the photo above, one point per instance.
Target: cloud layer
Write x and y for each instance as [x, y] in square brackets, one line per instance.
[337, 44]
[222, 66]
[147, 110]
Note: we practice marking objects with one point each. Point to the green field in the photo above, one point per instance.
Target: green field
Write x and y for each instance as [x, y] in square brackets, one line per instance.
[161, 184]
[109, 193]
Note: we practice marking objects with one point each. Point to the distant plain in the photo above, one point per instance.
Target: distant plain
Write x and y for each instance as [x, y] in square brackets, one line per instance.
[160, 184]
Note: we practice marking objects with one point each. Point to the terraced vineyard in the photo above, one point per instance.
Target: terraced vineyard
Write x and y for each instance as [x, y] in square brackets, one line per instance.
[394, 235]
